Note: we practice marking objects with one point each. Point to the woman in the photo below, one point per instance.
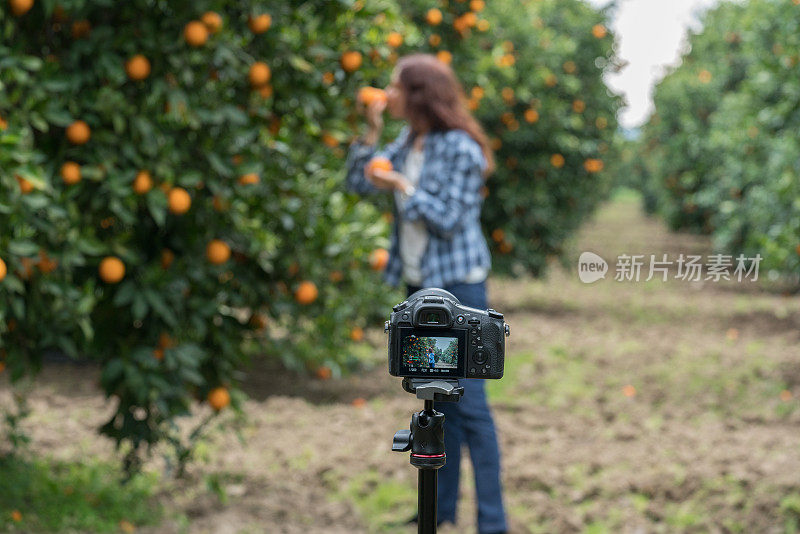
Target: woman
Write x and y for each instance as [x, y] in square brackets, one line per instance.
[439, 161]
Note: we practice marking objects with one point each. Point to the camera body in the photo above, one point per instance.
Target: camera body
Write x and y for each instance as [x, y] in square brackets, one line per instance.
[431, 335]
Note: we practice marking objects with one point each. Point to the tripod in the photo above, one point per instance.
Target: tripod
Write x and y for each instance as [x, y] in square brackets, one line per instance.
[425, 440]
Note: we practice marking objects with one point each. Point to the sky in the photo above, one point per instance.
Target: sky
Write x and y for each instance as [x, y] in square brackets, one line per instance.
[650, 35]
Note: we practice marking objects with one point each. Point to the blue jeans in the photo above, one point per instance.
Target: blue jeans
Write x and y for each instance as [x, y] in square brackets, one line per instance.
[470, 422]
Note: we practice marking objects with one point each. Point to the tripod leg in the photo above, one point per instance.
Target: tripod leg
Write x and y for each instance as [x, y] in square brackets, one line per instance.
[426, 492]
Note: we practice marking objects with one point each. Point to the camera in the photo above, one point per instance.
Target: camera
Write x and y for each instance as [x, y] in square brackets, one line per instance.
[431, 335]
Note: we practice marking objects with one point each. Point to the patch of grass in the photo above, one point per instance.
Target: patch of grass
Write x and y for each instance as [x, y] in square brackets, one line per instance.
[44, 495]
[503, 390]
[384, 504]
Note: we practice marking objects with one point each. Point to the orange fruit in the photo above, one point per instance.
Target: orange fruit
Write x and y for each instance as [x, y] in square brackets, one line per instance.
[142, 183]
[797, 250]
[704, 76]
[179, 200]
[357, 333]
[306, 292]
[16, 515]
[19, 8]
[433, 17]
[477, 5]
[259, 74]
[599, 31]
[165, 342]
[27, 268]
[323, 372]
[498, 235]
[378, 259]
[3, 269]
[593, 165]
[786, 395]
[569, 67]
[351, 60]
[531, 115]
[111, 269]
[195, 33]
[628, 390]
[212, 20]
[78, 133]
[219, 398]
[505, 247]
[335, 276]
[483, 25]
[477, 92]
[258, 321]
[249, 178]
[550, 80]
[328, 78]
[218, 251]
[578, 106]
[469, 19]
[46, 264]
[25, 186]
[2, 367]
[265, 91]
[167, 257]
[219, 204]
[71, 173]
[260, 23]
[3, 124]
[359, 402]
[444, 56]
[435, 39]
[557, 161]
[158, 354]
[329, 140]
[368, 95]
[378, 164]
[80, 29]
[138, 67]
[394, 39]
[507, 93]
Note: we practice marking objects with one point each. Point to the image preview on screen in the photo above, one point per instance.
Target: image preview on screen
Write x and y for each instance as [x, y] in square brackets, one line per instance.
[430, 352]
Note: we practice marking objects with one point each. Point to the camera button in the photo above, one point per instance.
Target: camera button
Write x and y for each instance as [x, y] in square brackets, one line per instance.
[460, 319]
[474, 331]
[472, 370]
[405, 317]
[483, 371]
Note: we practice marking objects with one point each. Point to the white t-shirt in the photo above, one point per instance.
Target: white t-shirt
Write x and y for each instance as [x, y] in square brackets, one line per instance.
[414, 234]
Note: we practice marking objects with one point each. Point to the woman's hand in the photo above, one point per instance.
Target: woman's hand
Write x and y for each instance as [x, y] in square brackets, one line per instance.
[374, 116]
[388, 180]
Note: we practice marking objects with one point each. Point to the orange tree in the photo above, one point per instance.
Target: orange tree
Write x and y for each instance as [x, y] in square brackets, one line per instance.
[720, 152]
[171, 193]
[532, 73]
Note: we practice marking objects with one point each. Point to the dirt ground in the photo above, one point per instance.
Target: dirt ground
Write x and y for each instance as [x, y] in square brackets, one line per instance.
[626, 407]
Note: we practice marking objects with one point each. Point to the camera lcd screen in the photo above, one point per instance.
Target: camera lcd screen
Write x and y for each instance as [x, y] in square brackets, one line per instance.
[432, 353]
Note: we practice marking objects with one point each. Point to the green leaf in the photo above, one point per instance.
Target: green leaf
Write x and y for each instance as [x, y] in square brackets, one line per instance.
[23, 248]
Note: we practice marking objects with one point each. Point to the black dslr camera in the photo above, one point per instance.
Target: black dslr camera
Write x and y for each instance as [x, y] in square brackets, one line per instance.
[431, 335]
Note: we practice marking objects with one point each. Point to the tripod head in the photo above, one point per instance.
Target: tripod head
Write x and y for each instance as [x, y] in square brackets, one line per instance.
[440, 389]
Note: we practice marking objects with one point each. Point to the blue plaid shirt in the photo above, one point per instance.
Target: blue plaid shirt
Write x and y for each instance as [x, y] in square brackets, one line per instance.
[447, 199]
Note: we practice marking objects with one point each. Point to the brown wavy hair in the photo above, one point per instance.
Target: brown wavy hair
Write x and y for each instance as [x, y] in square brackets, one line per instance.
[435, 100]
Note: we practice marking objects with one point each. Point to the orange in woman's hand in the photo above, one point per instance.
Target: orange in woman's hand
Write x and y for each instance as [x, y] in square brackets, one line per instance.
[380, 163]
[368, 95]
